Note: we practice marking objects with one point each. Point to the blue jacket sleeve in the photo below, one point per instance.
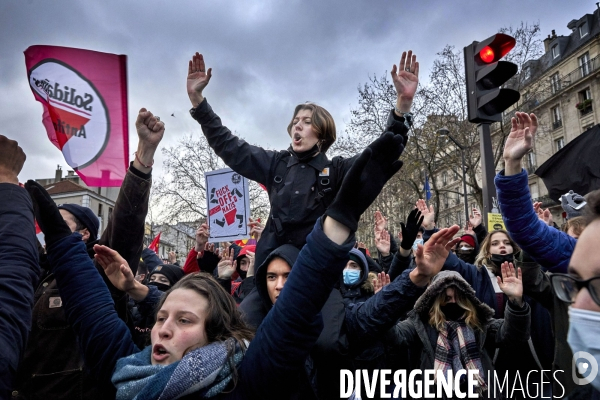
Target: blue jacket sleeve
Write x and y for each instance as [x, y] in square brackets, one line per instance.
[19, 270]
[253, 162]
[549, 247]
[364, 321]
[89, 307]
[292, 326]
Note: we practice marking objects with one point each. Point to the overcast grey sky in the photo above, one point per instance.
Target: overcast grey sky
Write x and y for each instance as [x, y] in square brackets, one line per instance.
[267, 56]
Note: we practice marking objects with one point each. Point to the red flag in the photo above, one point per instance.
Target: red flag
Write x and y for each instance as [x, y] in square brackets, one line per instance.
[84, 95]
[154, 245]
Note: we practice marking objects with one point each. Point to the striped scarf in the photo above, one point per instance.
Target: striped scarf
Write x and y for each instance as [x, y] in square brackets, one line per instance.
[457, 349]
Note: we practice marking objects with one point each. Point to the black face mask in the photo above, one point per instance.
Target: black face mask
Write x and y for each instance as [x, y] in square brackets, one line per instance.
[466, 256]
[160, 286]
[306, 155]
[498, 259]
[452, 311]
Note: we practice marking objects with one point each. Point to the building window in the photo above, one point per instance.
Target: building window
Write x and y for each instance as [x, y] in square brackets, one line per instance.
[559, 143]
[533, 189]
[585, 102]
[459, 216]
[444, 178]
[589, 126]
[100, 210]
[527, 73]
[555, 51]
[556, 119]
[110, 210]
[583, 29]
[584, 64]
[447, 220]
[555, 83]
[531, 167]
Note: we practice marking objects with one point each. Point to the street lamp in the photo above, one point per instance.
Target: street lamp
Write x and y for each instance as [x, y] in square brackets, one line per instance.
[445, 132]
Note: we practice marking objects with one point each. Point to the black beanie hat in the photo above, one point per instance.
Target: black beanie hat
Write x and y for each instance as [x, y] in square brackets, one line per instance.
[86, 216]
[172, 272]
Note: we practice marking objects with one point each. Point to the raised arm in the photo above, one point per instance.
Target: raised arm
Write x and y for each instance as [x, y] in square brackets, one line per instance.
[291, 328]
[253, 162]
[549, 247]
[19, 267]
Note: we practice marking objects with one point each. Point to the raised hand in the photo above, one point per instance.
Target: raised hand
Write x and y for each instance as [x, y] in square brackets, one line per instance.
[380, 223]
[256, 229]
[172, 257]
[197, 79]
[150, 130]
[520, 141]
[430, 257]
[226, 266]
[543, 215]
[380, 281]
[250, 255]
[475, 218]
[469, 229]
[411, 229]
[511, 283]
[12, 158]
[406, 80]
[202, 234]
[428, 214]
[115, 267]
[383, 243]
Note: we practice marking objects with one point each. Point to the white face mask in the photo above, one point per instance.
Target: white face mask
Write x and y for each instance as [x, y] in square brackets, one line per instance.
[417, 242]
[584, 330]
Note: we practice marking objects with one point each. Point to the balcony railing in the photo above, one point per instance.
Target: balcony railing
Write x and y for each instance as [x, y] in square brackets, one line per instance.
[557, 124]
[585, 111]
[530, 169]
[546, 201]
[563, 82]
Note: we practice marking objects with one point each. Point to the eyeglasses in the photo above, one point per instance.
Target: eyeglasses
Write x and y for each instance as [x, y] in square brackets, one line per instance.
[567, 288]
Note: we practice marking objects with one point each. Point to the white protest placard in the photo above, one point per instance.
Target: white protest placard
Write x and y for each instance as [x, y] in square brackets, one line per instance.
[228, 205]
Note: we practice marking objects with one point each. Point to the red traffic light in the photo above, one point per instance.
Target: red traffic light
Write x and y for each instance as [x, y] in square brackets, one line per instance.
[487, 55]
[496, 47]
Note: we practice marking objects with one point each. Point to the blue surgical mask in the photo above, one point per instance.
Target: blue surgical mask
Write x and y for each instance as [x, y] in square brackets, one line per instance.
[417, 242]
[351, 276]
[584, 330]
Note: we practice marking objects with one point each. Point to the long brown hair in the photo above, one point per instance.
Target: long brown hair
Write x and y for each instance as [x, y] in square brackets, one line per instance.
[437, 317]
[321, 121]
[223, 319]
[484, 255]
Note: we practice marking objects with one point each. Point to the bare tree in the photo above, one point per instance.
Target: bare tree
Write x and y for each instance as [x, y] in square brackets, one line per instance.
[440, 103]
[181, 194]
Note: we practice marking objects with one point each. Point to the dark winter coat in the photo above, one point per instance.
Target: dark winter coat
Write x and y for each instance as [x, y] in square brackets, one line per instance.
[417, 333]
[298, 196]
[276, 354]
[52, 366]
[19, 270]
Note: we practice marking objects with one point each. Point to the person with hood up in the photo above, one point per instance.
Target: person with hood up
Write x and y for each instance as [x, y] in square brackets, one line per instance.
[200, 345]
[451, 329]
[468, 248]
[301, 181]
[355, 285]
[496, 249]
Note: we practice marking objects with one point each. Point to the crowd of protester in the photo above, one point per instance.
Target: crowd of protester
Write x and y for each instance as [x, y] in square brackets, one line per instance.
[102, 317]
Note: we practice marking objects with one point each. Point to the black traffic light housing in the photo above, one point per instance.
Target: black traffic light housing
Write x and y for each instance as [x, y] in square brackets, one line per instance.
[485, 74]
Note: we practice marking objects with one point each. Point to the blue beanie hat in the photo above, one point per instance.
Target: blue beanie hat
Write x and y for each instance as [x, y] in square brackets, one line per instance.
[86, 216]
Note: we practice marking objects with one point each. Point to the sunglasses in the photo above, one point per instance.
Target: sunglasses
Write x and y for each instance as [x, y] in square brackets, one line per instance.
[567, 288]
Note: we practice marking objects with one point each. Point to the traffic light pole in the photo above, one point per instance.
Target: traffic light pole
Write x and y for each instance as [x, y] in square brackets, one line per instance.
[488, 171]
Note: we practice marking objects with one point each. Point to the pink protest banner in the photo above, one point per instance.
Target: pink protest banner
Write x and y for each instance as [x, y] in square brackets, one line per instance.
[84, 95]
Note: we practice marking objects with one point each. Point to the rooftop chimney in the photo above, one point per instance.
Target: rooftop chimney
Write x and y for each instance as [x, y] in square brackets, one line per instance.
[58, 174]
